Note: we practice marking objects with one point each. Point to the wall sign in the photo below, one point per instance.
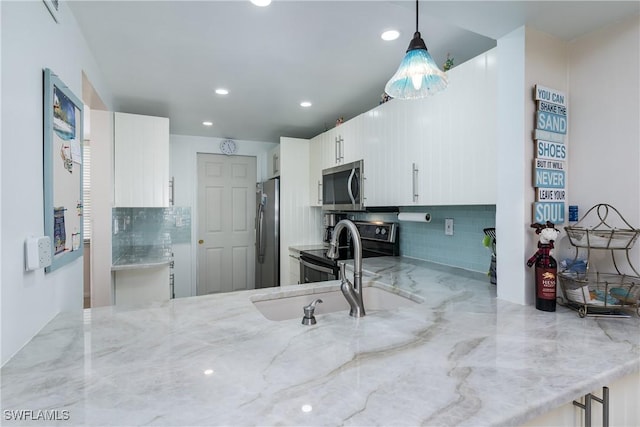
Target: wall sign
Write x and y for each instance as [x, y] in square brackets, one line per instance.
[549, 165]
[548, 178]
[550, 150]
[548, 136]
[548, 211]
[550, 194]
[551, 122]
[552, 108]
[550, 95]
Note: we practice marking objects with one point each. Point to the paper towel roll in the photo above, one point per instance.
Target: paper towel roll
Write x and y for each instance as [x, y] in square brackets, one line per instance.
[414, 216]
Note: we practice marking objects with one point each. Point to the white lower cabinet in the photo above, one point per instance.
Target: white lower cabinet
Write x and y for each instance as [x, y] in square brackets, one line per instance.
[624, 395]
[142, 286]
[294, 269]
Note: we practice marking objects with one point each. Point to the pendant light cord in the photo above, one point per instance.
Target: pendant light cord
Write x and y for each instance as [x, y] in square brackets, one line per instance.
[416, 16]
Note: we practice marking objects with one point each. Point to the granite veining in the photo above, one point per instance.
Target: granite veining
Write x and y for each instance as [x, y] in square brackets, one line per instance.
[461, 357]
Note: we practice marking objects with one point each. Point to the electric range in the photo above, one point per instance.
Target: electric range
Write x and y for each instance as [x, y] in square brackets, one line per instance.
[378, 239]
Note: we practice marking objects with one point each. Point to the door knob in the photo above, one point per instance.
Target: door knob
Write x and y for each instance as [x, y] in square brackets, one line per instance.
[200, 241]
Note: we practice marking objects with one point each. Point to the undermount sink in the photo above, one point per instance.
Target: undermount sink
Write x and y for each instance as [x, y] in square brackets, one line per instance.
[290, 307]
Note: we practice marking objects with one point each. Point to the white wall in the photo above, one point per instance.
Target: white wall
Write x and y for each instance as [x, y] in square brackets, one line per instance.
[599, 72]
[604, 121]
[102, 201]
[526, 57]
[32, 41]
[183, 167]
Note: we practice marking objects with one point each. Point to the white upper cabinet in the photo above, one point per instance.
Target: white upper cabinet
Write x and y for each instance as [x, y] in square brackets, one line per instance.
[331, 149]
[380, 143]
[141, 161]
[315, 170]
[273, 162]
[438, 150]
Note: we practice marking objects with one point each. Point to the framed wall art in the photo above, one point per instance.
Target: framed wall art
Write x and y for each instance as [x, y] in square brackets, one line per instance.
[54, 8]
[62, 179]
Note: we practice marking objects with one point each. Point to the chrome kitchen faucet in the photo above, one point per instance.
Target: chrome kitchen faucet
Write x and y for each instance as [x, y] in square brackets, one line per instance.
[352, 292]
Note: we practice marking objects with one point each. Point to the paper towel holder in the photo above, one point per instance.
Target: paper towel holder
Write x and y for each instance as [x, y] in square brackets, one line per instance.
[414, 216]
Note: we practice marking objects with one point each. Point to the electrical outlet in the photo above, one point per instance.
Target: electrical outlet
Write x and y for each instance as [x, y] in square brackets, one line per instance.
[448, 226]
[37, 253]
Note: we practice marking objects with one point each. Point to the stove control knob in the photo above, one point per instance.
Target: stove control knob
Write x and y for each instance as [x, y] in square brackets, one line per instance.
[383, 231]
[377, 230]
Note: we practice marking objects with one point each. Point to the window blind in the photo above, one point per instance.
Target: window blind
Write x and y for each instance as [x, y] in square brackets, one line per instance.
[86, 190]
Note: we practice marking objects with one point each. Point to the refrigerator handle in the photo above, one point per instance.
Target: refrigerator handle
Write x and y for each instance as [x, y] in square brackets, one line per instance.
[260, 234]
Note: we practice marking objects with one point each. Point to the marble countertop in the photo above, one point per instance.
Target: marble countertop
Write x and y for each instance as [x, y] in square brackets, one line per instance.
[461, 357]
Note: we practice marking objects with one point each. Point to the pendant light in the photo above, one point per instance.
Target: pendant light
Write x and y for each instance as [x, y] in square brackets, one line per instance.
[418, 75]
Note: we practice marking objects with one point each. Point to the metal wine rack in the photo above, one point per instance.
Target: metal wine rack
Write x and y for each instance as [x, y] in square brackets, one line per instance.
[594, 293]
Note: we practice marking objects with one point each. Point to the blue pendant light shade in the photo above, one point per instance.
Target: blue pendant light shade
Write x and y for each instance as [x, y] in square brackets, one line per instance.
[418, 75]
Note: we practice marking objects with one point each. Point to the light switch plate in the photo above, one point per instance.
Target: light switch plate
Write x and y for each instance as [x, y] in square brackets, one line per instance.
[37, 253]
[448, 226]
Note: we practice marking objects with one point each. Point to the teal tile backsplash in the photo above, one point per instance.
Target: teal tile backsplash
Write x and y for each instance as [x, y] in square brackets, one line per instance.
[427, 241]
[149, 230]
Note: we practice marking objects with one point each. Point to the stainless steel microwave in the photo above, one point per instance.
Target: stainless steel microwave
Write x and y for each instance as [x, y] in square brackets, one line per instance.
[342, 187]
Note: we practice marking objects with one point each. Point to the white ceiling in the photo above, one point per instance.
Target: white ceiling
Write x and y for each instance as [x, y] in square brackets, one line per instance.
[166, 57]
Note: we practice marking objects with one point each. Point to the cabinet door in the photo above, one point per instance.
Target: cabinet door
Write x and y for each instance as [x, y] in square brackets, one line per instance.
[463, 144]
[350, 140]
[273, 162]
[451, 139]
[141, 161]
[142, 286]
[315, 171]
[379, 144]
[294, 270]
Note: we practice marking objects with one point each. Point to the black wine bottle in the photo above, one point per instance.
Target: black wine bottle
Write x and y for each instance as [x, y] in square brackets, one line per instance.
[546, 281]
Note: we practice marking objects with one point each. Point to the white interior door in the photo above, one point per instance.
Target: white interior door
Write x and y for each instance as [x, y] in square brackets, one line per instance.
[226, 221]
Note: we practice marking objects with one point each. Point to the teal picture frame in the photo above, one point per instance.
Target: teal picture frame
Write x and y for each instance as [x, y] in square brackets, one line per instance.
[63, 127]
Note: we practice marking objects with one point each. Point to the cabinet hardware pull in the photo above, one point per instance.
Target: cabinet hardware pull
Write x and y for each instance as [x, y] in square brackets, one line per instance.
[414, 173]
[339, 149]
[172, 187]
[588, 398]
[319, 192]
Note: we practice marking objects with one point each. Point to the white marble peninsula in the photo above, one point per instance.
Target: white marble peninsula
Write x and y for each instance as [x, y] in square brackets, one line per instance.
[461, 357]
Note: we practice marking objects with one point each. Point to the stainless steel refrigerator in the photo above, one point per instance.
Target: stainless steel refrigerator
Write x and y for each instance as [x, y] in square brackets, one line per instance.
[268, 234]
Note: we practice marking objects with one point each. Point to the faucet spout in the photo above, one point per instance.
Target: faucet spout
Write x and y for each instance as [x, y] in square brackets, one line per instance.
[351, 292]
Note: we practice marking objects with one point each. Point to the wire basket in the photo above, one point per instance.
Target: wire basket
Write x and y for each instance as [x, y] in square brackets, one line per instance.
[606, 233]
[602, 227]
[599, 293]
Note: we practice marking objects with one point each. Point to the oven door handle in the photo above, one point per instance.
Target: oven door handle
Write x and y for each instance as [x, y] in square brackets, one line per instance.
[316, 267]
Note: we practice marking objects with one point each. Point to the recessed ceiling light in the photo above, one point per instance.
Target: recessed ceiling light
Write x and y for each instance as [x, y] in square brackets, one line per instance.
[390, 35]
[208, 371]
[206, 123]
[261, 3]
[221, 91]
[305, 104]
